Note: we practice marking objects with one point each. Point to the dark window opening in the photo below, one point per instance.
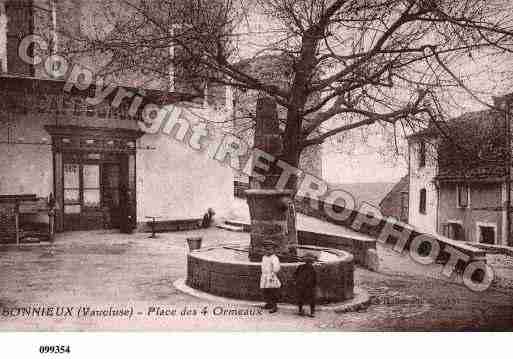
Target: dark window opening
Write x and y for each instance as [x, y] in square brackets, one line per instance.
[454, 231]
[422, 202]
[404, 206]
[487, 235]
[422, 154]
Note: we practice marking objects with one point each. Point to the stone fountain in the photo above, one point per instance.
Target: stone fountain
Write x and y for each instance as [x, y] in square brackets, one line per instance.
[234, 271]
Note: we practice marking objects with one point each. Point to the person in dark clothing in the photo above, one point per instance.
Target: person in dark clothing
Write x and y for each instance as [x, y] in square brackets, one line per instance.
[306, 281]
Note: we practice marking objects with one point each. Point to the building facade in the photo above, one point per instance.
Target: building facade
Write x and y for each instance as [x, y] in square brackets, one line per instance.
[423, 194]
[458, 183]
[396, 202]
[103, 163]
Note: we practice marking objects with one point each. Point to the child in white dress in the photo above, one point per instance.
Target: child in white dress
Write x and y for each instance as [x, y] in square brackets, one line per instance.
[269, 282]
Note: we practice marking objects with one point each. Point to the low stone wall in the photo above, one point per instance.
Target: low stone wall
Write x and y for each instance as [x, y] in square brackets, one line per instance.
[241, 280]
[364, 251]
[304, 205]
[170, 225]
[494, 249]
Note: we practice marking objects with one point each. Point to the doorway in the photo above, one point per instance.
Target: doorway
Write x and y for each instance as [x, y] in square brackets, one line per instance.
[94, 177]
[91, 190]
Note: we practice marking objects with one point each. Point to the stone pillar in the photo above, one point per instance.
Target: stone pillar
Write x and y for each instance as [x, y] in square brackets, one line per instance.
[272, 215]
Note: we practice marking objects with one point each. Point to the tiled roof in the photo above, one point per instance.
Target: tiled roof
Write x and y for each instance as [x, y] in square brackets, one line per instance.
[400, 187]
[472, 146]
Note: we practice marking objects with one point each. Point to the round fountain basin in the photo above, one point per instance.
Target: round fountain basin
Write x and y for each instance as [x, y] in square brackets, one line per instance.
[227, 272]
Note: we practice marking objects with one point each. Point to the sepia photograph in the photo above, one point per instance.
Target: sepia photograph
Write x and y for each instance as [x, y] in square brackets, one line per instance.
[255, 166]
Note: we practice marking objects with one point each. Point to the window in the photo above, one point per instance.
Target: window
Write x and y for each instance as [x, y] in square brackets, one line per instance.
[486, 234]
[404, 206]
[422, 154]
[91, 180]
[422, 201]
[462, 191]
[81, 187]
[71, 188]
[454, 230]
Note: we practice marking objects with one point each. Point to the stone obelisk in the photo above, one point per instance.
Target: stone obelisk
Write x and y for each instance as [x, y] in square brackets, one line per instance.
[271, 209]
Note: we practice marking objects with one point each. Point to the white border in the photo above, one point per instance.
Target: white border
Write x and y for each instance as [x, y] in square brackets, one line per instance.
[259, 345]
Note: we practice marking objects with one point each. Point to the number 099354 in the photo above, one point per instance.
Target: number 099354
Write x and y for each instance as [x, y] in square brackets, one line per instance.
[54, 349]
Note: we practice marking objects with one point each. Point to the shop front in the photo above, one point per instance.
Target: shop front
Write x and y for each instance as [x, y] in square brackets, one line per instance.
[94, 178]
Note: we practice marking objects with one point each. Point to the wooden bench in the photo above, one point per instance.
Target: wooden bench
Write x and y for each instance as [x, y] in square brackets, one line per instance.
[158, 226]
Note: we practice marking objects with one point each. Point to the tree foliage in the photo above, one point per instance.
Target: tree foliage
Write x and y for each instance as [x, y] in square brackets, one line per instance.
[394, 63]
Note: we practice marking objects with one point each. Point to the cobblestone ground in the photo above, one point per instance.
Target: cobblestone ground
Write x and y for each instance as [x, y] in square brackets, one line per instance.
[107, 269]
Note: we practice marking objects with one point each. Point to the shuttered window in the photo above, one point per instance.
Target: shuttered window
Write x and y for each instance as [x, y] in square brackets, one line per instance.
[463, 195]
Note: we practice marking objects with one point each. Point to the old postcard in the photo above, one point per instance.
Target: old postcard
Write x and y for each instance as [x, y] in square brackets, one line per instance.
[255, 165]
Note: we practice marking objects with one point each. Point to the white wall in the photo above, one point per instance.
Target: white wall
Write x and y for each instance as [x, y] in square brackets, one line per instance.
[25, 168]
[3, 38]
[423, 177]
[175, 181]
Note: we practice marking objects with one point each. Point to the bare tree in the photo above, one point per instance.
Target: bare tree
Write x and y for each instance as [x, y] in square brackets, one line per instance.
[395, 63]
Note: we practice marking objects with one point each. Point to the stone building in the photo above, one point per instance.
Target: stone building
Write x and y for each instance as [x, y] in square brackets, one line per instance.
[457, 184]
[104, 164]
[271, 70]
[395, 203]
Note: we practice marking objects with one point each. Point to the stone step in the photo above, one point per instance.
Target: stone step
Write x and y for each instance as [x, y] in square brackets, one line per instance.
[246, 226]
[494, 249]
[234, 222]
[228, 227]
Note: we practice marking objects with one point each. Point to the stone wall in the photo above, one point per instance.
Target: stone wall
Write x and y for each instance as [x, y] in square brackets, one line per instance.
[485, 209]
[363, 251]
[20, 23]
[26, 162]
[240, 280]
[175, 181]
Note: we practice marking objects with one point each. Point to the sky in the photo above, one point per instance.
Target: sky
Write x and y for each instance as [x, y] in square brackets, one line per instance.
[361, 168]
